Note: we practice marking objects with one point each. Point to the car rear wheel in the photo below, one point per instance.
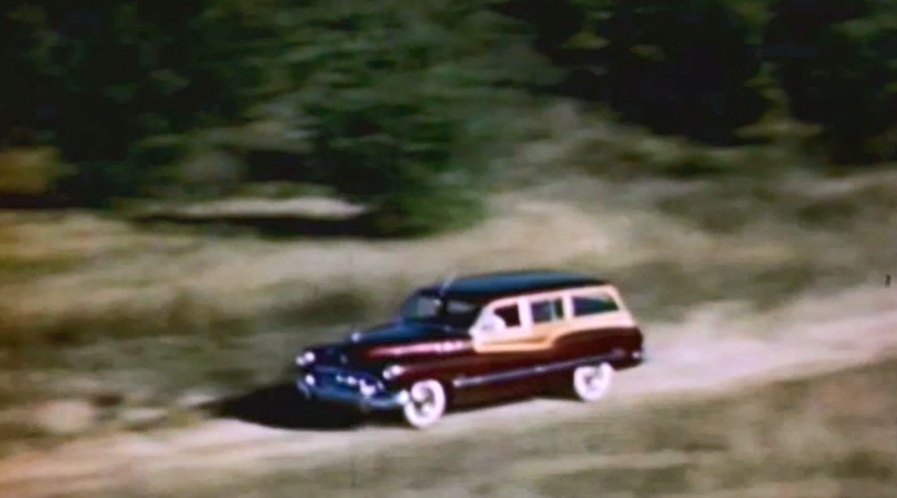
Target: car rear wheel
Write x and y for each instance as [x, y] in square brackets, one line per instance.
[591, 382]
[426, 404]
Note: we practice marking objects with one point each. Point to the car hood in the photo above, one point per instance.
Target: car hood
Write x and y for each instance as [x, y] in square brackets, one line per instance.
[400, 332]
[392, 341]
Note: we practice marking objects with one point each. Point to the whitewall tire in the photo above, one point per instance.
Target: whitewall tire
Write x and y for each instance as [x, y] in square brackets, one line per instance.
[426, 404]
[591, 382]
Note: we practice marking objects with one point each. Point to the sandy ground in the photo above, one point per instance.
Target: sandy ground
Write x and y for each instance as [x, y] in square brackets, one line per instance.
[720, 347]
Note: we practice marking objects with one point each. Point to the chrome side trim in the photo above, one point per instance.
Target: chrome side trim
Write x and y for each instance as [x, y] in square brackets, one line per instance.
[522, 373]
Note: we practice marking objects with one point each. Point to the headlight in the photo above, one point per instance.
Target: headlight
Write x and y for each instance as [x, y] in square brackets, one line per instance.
[392, 371]
[367, 390]
[305, 359]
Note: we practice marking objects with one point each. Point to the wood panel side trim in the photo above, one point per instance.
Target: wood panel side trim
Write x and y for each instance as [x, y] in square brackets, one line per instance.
[529, 337]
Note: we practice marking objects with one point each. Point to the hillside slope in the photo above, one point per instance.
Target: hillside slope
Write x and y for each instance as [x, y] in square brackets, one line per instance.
[715, 350]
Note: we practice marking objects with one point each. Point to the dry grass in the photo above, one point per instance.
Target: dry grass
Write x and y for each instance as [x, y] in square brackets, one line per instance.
[831, 436]
[77, 282]
[164, 311]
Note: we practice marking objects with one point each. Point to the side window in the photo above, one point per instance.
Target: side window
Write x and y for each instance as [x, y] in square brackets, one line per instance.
[499, 320]
[510, 315]
[547, 311]
[591, 305]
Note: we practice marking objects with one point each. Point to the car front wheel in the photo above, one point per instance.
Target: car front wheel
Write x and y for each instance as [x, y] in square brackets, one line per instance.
[591, 382]
[426, 404]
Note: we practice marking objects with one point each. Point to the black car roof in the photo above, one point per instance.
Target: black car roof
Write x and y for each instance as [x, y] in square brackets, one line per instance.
[491, 286]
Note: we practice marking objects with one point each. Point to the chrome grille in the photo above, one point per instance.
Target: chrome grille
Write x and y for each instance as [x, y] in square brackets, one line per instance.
[345, 379]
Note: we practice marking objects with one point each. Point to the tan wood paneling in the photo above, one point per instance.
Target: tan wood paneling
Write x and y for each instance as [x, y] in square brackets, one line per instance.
[542, 336]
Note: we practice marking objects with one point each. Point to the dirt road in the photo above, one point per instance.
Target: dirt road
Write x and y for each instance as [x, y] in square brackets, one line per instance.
[718, 347]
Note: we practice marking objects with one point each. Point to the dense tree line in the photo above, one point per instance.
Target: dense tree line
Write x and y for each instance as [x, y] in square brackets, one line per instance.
[397, 100]
[837, 60]
[681, 67]
[400, 101]
[699, 67]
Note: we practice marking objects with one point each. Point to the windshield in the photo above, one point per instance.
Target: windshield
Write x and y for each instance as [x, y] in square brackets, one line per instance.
[443, 311]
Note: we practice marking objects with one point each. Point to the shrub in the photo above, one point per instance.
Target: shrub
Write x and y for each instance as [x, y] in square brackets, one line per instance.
[406, 104]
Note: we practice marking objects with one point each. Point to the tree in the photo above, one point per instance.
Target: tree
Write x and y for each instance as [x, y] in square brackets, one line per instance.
[837, 60]
[401, 99]
[405, 101]
[683, 67]
[104, 74]
[678, 67]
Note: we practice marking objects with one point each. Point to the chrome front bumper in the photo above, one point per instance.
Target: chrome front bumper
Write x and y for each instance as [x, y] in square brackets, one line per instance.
[373, 399]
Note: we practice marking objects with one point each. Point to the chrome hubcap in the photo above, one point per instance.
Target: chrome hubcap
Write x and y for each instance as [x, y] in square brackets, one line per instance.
[591, 381]
[426, 403]
[594, 378]
[423, 399]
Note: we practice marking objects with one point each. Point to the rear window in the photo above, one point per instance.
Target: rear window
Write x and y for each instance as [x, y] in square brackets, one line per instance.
[591, 305]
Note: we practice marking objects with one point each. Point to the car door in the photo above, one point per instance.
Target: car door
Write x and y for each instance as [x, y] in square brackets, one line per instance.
[535, 321]
[512, 338]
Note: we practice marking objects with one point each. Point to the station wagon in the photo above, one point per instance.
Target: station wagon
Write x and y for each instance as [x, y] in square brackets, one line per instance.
[480, 339]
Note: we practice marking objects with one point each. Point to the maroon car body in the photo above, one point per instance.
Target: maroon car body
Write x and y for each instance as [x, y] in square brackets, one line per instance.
[480, 339]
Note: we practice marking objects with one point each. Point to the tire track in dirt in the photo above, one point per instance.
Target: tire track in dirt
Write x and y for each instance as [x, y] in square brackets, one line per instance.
[719, 347]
